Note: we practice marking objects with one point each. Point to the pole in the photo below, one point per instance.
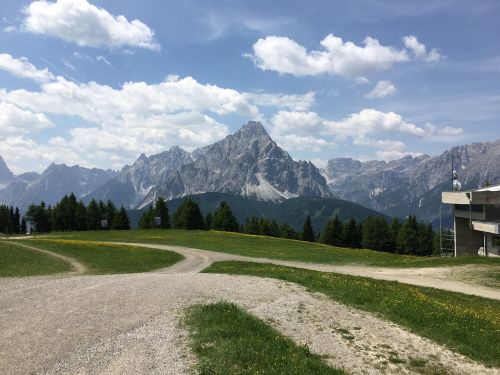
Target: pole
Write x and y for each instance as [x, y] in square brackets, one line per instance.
[440, 232]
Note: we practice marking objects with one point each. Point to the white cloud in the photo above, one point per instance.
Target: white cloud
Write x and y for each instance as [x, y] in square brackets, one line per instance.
[85, 24]
[419, 50]
[104, 60]
[68, 65]
[120, 123]
[24, 154]
[381, 90]
[362, 129]
[292, 102]
[23, 68]
[14, 120]
[284, 55]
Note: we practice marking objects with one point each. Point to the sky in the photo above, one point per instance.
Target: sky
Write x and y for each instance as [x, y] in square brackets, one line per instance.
[98, 82]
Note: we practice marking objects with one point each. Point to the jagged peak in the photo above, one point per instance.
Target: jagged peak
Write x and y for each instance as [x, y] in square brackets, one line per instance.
[254, 129]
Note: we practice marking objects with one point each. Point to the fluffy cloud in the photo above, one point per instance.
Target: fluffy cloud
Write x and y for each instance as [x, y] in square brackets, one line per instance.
[80, 22]
[363, 128]
[286, 56]
[419, 50]
[117, 124]
[24, 154]
[23, 68]
[381, 90]
[14, 120]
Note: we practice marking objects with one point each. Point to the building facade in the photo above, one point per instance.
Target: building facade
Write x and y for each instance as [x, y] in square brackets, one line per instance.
[476, 220]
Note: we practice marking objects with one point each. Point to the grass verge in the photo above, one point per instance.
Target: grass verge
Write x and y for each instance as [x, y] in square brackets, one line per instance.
[465, 324]
[228, 340]
[275, 248]
[19, 261]
[103, 258]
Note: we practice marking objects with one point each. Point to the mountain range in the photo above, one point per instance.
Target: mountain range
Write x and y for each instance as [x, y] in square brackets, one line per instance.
[250, 164]
[413, 185]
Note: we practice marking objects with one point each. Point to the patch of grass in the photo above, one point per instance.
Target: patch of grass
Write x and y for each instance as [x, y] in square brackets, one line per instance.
[228, 340]
[275, 248]
[103, 258]
[20, 261]
[466, 324]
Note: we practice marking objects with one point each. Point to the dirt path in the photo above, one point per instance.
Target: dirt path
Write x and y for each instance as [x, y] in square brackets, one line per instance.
[196, 260]
[78, 267]
[116, 324]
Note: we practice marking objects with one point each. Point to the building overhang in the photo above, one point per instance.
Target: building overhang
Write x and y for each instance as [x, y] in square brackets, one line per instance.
[487, 226]
[470, 197]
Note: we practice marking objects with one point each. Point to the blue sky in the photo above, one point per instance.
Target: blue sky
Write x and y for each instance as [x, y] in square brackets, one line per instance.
[98, 82]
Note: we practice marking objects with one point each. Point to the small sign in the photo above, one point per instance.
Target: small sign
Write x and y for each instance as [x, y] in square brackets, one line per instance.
[157, 221]
[104, 224]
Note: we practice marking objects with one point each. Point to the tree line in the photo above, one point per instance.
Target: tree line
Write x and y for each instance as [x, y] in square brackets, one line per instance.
[375, 232]
[11, 221]
[69, 214]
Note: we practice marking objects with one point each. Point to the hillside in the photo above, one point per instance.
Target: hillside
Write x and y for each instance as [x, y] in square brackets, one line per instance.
[293, 210]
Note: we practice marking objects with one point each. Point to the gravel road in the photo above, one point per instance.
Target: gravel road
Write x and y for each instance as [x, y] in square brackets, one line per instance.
[131, 324]
[197, 260]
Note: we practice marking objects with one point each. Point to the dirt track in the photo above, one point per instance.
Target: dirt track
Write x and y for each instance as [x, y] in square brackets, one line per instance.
[117, 324]
[197, 260]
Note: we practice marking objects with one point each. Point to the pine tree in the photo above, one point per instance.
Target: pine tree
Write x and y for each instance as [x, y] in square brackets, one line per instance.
[93, 216]
[332, 234]
[24, 228]
[188, 215]
[121, 220]
[161, 211]
[224, 219]
[350, 237]
[147, 219]
[308, 232]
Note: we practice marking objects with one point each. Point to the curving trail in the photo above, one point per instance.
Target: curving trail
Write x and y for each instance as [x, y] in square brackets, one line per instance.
[78, 267]
[197, 260]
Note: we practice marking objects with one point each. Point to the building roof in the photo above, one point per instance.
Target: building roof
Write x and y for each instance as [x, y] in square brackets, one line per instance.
[490, 188]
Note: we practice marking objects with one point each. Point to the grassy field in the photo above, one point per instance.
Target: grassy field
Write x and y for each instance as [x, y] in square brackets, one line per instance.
[19, 261]
[275, 248]
[105, 258]
[466, 324]
[228, 340]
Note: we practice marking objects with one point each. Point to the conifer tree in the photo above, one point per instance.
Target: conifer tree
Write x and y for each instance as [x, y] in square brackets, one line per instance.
[332, 234]
[307, 231]
[188, 215]
[224, 219]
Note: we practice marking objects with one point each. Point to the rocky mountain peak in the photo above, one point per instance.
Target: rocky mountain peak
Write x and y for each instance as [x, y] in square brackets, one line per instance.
[5, 174]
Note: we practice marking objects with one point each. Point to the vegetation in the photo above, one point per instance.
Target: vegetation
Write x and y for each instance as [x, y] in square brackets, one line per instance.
[466, 324]
[104, 258]
[274, 248]
[72, 215]
[11, 221]
[308, 234]
[188, 216]
[160, 211]
[231, 341]
[16, 260]
[224, 219]
[271, 228]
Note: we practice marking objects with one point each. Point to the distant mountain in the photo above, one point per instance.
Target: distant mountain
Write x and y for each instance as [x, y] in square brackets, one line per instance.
[135, 182]
[293, 210]
[52, 184]
[247, 163]
[6, 176]
[413, 185]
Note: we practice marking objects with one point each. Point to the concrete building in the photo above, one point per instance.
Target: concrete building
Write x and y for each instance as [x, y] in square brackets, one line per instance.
[477, 220]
